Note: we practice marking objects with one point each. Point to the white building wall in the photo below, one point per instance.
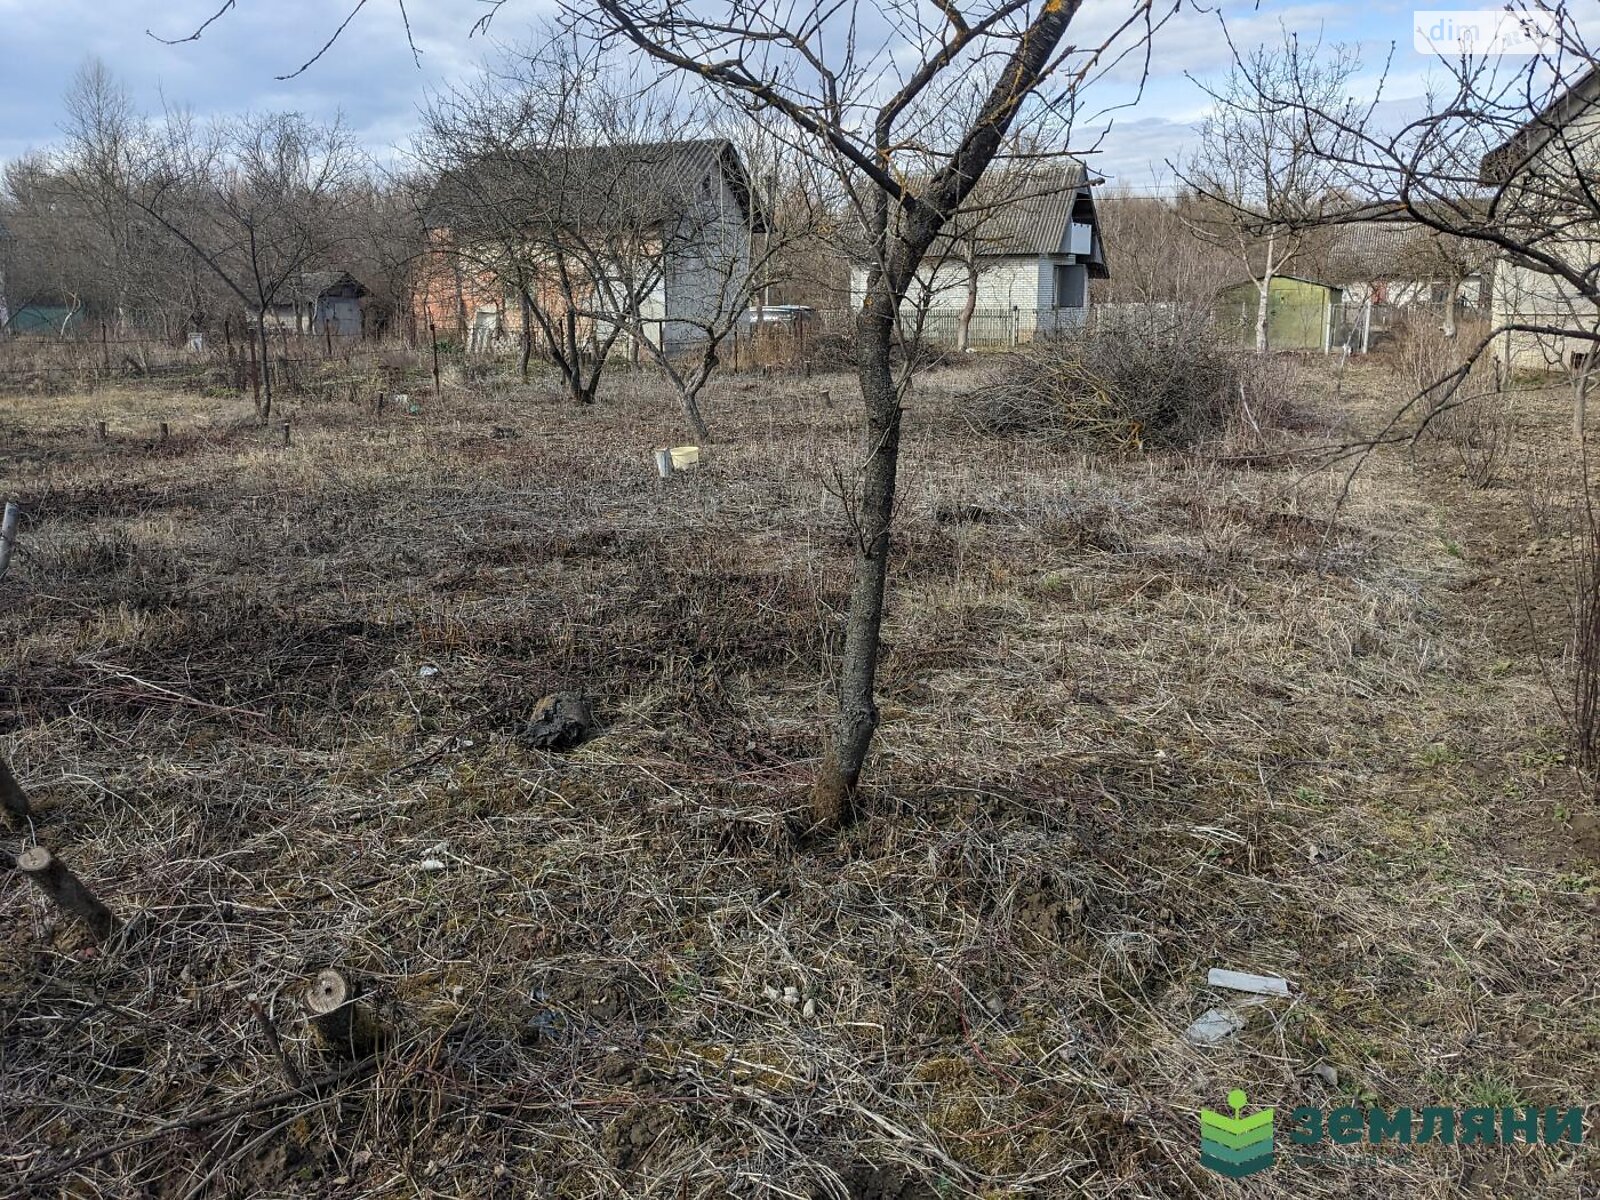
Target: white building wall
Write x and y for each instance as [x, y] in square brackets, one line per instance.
[1521, 295]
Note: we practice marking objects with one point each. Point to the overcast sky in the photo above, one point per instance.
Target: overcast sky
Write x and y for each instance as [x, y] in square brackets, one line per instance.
[371, 78]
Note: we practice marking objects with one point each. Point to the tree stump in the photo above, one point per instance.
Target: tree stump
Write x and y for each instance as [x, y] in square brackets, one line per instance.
[345, 1025]
[560, 721]
[50, 875]
[165, 433]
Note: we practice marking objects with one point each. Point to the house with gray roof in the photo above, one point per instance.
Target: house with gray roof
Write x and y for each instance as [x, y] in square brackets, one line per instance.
[320, 301]
[1014, 262]
[665, 227]
[1398, 261]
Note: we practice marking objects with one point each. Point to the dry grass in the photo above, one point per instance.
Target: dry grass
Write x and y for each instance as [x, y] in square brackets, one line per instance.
[1142, 716]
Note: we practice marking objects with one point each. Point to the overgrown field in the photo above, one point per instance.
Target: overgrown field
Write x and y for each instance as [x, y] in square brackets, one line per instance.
[1143, 716]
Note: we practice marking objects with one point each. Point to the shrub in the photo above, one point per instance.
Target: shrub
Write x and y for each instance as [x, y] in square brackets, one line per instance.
[1156, 376]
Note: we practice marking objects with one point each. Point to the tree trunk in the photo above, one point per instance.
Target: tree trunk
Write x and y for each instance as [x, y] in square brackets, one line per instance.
[264, 403]
[964, 321]
[691, 413]
[1450, 296]
[833, 802]
[1263, 306]
[527, 337]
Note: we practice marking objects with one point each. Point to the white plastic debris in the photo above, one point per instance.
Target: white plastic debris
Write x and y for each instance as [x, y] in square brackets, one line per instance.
[809, 1010]
[1214, 1025]
[1243, 981]
[427, 672]
[431, 864]
[791, 995]
[1328, 1075]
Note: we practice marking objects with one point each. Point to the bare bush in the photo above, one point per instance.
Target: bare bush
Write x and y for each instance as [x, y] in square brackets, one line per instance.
[1426, 354]
[1155, 376]
[1548, 483]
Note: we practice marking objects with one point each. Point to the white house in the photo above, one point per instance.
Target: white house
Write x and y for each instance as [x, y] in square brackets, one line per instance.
[1400, 262]
[1545, 177]
[1015, 262]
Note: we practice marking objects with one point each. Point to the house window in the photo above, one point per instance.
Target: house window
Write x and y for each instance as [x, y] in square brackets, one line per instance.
[1069, 284]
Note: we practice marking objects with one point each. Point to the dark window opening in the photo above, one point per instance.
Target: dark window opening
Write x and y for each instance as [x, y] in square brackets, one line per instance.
[1069, 282]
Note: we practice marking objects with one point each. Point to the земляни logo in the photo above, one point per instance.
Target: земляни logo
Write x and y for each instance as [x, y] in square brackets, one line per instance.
[1236, 1146]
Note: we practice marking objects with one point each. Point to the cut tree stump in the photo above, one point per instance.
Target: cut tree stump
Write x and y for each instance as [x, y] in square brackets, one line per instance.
[345, 1025]
[560, 721]
[50, 875]
[13, 800]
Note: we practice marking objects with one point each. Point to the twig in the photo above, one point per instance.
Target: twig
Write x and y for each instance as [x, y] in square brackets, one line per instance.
[198, 1121]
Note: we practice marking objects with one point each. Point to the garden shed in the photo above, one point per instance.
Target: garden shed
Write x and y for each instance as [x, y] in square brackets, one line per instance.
[1300, 312]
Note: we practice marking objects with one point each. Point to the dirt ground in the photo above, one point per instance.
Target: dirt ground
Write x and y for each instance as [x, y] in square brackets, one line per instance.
[1144, 716]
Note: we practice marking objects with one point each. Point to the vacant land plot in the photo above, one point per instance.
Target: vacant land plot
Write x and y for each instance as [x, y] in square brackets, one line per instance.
[1143, 717]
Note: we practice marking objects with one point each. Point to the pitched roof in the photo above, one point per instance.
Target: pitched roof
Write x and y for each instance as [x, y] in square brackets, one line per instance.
[310, 285]
[634, 184]
[1013, 212]
[1396, 248]
[1022, 210]
[1506, 159]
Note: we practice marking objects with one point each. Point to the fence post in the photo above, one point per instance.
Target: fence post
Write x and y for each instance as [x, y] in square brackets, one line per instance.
[433, 338]
[8, 541]
[105, 349]
[327, 339]
[255, 373]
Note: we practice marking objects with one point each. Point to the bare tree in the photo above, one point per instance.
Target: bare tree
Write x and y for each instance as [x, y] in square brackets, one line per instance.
[258, 201]
[855, 102]
[1263, 167]
[567, 197]
[1503, 160]
[856, 113]
[1159, 257]
[734, 253]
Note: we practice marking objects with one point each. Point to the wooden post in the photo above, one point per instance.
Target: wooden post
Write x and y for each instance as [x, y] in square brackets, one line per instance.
[13, 800]
[827, 398]
[327, 339]
[805, 364]
[664, 463]
[105, 349]
[164, 434]
[433, 337]
[50, 875]
[8, 542]
[286, 433]
[377, 405]
[345, 1025]
[99, 431]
